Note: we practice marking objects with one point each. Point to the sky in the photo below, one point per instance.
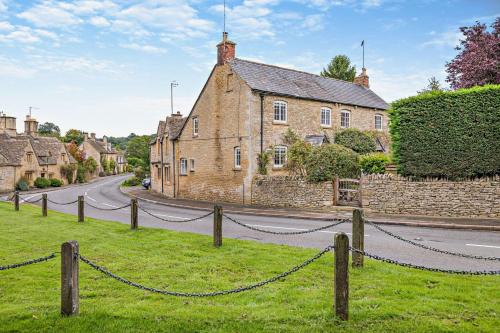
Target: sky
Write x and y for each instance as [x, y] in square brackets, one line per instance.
[106, 66]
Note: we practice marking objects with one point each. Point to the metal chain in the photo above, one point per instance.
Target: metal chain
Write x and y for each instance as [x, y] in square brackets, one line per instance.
[286, 232]
[29, 262]
[175, 221]
[431, 269]
[208, 294]
[463, 255]
[107, 209]
[28, 201]
[62, 203]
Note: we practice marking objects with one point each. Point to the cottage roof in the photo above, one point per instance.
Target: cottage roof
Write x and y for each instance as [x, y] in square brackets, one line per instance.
[293, 83]
[174, 126]
[12, 149]
[101, 147]
[316, 140]
[49, 149]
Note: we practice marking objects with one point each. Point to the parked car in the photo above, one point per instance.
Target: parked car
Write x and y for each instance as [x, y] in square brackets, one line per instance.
[146, 183]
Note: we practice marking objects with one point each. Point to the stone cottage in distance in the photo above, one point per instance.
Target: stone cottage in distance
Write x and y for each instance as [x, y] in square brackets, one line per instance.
[243, 110]
[101, 149]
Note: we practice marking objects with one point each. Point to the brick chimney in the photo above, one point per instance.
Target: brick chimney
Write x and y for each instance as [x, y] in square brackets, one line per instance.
[226, 50]
[30, 126]
[363, 79]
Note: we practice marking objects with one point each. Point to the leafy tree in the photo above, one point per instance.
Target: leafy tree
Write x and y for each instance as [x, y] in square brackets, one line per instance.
[478, 63]
[75, 152]
[135, 162]
[290, 137]
[138, 147]
[297, 155]
[49, 129]
[340, 68]
[331, 160]
[356, 140]
[73, 135]
[112, 166]
[433, 85]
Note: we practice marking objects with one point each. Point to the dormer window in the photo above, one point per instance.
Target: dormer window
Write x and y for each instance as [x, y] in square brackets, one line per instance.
[280, 112]
[196, 126]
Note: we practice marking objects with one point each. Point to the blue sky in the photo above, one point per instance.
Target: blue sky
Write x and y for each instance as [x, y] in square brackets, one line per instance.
[106, 66]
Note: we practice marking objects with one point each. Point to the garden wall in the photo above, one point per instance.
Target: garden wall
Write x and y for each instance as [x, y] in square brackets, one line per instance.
[392, 194]
[286, 191]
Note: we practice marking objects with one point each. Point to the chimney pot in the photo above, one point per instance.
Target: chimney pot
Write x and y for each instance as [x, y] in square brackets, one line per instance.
[226, 50]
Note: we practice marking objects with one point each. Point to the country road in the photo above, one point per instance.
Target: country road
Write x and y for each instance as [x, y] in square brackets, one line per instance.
[105, 193]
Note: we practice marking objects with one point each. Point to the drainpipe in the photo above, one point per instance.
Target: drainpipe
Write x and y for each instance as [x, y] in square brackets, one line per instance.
[173, 166]
[161, 164]
[261, 123]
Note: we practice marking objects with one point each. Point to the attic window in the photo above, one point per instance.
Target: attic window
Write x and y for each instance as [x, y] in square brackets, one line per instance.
[196, 126]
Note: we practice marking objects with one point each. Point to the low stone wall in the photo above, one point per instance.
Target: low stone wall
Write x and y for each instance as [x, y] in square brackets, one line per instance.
[392, 194]
[286, 191]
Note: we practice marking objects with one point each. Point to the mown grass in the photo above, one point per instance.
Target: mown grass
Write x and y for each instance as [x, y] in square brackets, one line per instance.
[383, 298]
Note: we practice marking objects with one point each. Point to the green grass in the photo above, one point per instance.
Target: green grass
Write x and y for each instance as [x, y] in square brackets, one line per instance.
[384, 298]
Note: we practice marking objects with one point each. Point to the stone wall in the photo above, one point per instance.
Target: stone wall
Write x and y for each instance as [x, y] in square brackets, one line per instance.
[285, 191]
[391, 194]
[7, 178]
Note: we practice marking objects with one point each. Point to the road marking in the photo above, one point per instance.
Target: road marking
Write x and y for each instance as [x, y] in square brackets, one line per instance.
[479, 245]
[296, 229]
[88, 196]
[105, 204]
[174, 217]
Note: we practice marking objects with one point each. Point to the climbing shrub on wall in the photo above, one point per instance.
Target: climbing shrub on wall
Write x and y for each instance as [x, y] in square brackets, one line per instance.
[448, 134]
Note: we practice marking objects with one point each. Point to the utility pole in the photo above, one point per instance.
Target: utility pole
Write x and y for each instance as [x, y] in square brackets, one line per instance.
[172, 85]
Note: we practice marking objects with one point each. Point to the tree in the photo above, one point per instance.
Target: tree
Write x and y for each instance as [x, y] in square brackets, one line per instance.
[331, 160]
[433, 85]
[73, 135]
[138, 147]
[356, 140]
[340, 68]
[478, 63]
[75, 152]
[49, 129]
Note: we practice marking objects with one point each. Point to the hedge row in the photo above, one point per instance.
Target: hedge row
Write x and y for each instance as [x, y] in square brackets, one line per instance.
[448, 134]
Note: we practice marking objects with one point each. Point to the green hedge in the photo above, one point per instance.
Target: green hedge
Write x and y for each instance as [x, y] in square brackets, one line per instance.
[448, 134]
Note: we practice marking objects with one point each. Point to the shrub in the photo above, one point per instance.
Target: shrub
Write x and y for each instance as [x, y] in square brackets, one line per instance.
[42, 182]
[140, 173]
[102, 174]
[447, 134]
[133, 181]
[112, 166]
[22, 185]
[356, 140]
[54, 182]
[331, 160]
[374, 162]
[297, 156]
[80, 173]
[90, 164]
[67, 171]
[262, 161]
[135, 162]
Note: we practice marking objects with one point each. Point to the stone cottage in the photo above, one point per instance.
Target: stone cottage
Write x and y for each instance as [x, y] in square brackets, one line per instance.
[28, 155]
[99, 150]
[243, 110]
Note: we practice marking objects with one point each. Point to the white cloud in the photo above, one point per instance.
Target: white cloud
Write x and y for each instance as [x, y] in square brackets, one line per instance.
[144, 48]
[50, 14]
[99, 21]
[313, 22]
[444, 39]
[6, 26]
[3, 6]
[27, 35]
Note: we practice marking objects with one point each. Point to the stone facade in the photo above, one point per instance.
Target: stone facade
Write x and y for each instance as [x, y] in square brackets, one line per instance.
[286, 191]
[391, 194]
[100, 150]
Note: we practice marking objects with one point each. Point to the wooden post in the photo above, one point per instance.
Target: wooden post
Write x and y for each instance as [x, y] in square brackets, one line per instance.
[44, 204]
[358, 237]
[341, 279]
[218, 226]
[16, 201]
[335, 190]
[134, 218]
[81, 209]
[70, 303]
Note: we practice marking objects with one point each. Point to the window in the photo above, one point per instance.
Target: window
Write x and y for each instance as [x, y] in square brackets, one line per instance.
[158, 146]
[29, 157]
[229, 83]
[279, 156]
[326, 117]
[280, 112]
[345, 119]
[196, 126]
[237, 157]
[158, 171]
[167, 173]
[378, 122]
[191, 165]
[184, 166]
[28, 175]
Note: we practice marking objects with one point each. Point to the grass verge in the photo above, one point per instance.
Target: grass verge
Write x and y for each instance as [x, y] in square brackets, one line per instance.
[384, 298]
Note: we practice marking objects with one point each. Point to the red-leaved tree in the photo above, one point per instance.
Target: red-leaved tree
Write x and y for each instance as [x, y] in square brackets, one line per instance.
[478, 63]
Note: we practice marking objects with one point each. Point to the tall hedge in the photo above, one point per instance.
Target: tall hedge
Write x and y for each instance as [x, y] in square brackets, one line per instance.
[448, 134]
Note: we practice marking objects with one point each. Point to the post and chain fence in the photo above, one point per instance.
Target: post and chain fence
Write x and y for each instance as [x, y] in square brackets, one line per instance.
[62, 203]
[106, 209]
[285, 233]
[28, 262]
[175, 221]
[463, 255]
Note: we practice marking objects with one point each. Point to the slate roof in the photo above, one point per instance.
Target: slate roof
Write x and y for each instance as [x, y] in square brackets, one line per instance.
[317, 140]
[100, 147]
[12, 149]
[174, 125]
[48, 150]
[293, 83]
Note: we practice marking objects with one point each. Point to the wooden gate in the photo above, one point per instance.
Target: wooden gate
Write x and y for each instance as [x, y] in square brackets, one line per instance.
[347, 192]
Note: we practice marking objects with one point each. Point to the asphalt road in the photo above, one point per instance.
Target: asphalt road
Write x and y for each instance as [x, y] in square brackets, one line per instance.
[105, 193]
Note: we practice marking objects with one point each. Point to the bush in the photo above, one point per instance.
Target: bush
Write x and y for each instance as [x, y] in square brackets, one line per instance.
[133, 181]
[262, 161]
[447, 134]
[374, 162]
[54, 182]
[356, 140]
[102, 174]
[67, 171]
[80, 173]
[331, 160]
[297, 156]
[140, 173]
[90, 164]
[22, 185]
[42, 182]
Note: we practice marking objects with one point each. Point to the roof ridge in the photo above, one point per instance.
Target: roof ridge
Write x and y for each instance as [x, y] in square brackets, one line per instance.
[299, 71]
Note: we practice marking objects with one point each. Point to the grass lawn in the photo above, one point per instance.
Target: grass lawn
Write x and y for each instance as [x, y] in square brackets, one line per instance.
[384, 298]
